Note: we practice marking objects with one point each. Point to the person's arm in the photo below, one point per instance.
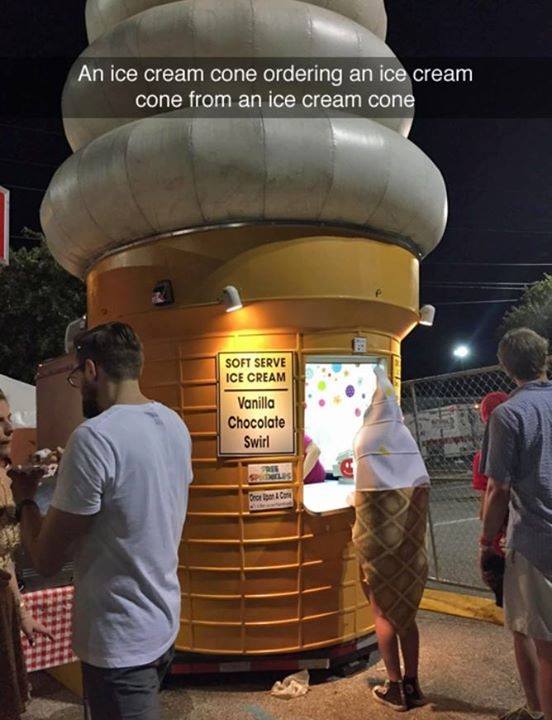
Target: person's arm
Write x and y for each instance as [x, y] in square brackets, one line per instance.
[48, 541]
[12, 584]
[311, 457]
[29, 625]
[500, 458]
[82, 476]
[481, 505]
[496, 504]
[479, 482]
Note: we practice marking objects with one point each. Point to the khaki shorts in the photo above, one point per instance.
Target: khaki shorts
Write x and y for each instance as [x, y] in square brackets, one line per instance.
[527, 598]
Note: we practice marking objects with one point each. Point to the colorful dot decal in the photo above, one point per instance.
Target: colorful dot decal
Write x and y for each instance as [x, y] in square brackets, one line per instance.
[338, 393]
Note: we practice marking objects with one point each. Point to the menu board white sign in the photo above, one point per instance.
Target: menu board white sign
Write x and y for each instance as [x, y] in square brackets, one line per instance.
[270, 499]
[259, 474]
[256, 404]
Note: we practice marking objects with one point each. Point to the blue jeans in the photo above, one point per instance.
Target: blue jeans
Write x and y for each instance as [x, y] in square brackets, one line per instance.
[130, 693]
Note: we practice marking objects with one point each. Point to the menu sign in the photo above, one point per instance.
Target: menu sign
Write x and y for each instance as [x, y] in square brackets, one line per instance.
[256, 404]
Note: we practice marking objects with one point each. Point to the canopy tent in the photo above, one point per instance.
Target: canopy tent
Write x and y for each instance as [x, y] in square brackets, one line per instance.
[22, 399]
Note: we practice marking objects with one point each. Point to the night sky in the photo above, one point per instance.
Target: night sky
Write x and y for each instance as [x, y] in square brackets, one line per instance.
[498, 171]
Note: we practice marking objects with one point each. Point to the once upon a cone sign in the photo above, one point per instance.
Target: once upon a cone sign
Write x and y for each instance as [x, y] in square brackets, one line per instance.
[4, 225]
[271, 499]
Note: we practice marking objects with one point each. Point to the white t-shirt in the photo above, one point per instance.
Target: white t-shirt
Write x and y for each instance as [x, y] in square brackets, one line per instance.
[131, 467]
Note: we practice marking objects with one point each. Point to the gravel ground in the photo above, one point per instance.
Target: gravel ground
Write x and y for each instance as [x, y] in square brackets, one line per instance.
[467, 672]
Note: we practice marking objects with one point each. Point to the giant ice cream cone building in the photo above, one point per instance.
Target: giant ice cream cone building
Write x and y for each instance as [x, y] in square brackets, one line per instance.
[319, 223]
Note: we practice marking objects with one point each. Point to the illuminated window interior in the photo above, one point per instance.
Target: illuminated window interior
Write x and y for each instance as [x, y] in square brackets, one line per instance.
[337, 392]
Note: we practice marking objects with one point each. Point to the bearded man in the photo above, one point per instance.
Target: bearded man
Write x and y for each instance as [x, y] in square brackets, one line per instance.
[120, 500]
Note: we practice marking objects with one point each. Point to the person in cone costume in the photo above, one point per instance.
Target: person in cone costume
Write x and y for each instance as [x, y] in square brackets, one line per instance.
[391, 504]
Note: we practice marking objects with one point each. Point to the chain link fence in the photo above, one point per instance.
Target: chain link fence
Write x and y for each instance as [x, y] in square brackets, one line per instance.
[442, 413]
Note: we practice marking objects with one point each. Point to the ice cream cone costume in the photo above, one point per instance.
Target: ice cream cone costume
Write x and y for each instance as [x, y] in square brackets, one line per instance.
[391, 503]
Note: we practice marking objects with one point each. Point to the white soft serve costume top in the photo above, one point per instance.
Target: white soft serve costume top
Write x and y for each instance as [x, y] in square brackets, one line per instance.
[386, 456]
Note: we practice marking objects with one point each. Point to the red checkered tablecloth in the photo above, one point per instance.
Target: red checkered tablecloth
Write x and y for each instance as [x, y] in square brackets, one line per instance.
[53, 608]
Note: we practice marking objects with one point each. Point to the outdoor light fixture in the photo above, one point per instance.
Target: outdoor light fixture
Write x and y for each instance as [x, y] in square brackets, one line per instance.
[461, 352]
[71, 332]
[427, 315]
[231, 299]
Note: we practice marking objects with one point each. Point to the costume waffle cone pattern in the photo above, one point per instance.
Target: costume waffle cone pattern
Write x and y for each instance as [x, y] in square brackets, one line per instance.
[389, 535]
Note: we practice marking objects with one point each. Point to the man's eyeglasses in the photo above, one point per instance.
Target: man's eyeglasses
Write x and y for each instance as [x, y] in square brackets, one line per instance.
[74, 378]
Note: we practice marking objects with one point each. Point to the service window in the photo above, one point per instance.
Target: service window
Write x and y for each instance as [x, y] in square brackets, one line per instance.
[338, 390]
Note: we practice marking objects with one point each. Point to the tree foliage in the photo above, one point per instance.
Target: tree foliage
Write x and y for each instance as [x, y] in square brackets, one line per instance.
[533, 311]
[39, 299]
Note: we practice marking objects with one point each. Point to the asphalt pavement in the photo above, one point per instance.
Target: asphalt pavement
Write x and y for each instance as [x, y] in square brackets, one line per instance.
[467, 672]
